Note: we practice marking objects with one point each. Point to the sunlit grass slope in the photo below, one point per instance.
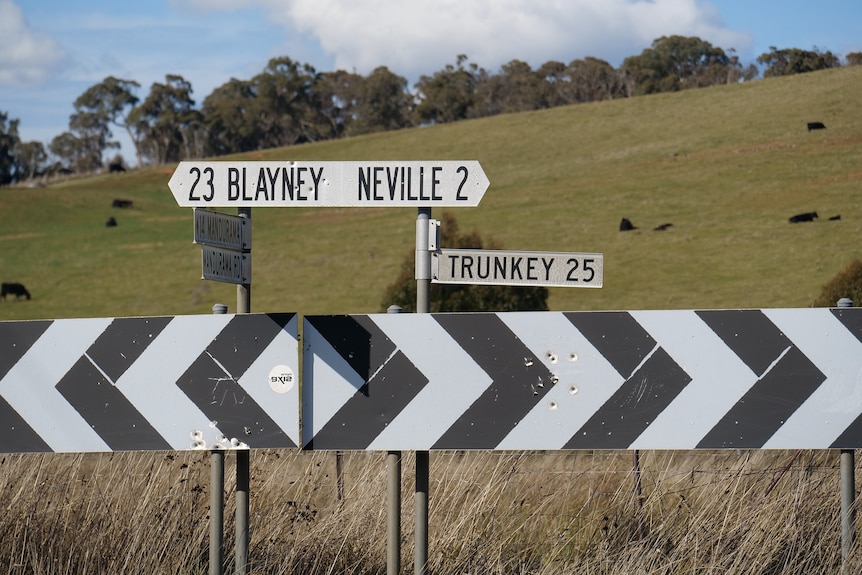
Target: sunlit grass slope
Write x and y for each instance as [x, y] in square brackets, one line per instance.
[726, 166]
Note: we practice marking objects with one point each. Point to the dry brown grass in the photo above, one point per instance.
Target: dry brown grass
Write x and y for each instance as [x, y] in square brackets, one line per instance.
[705, 512]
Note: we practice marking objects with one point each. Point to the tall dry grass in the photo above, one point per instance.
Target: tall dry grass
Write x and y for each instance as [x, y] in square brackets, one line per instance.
[705, 512]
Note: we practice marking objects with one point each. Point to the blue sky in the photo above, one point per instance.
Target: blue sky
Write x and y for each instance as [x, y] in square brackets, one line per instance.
[51, 51]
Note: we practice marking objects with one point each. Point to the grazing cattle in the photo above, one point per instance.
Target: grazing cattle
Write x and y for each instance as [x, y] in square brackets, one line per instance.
[118, 203]
[662, 227]
[835, 218]
[111, 223]
[626, 225]
[116, 168]
[15, 289]
[816, 126]
[806, 217]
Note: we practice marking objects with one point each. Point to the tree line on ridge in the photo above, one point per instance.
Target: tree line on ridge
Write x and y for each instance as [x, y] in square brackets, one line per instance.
[292, 103]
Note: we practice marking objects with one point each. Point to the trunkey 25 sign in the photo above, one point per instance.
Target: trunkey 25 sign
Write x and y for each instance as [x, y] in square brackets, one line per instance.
[329, 184]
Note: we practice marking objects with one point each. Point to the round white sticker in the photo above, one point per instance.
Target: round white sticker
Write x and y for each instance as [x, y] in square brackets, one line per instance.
[281, 379]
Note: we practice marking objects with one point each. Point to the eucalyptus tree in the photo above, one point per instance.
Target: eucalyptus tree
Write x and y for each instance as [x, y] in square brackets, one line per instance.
[169, 126]
[110, 102]
[450, 94]
[9, 140]
[228, 119]
[676, 63]
[381, 102]
[789, 61]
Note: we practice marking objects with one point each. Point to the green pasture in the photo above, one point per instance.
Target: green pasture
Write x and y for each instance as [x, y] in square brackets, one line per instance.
[726, 166]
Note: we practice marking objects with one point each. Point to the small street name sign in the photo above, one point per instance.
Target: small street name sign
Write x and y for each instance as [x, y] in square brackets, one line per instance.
[225, 265]
[497, 267]
[222, 230]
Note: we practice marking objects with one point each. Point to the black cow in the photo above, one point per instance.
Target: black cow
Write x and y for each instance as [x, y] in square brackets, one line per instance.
[118, 203]
[806, 217]
[15, 289]
[662, 227]
[626, 225]
[835, 218]
[111, 223]
[116, 168]
[816, 126]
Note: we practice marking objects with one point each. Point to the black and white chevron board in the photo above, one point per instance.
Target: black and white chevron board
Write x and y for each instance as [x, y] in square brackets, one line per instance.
[767, 378]
[149, 383]
[709, 379]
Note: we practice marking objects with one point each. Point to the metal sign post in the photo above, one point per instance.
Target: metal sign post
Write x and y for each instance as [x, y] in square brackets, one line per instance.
[423, 305]
[243, 456]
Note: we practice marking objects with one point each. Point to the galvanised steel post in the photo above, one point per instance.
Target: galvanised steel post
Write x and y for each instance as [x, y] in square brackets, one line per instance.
[217, 496]
[420, 500]
[848, 490]
[393, 502]
[243, 457]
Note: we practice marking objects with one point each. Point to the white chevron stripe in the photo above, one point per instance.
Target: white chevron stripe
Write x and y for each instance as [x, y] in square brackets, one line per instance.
[29, 385]
[150, 383]
[283, 408]
[335, 382]
[838, 401]
[586, 380]
[719, 379]
[455, 382]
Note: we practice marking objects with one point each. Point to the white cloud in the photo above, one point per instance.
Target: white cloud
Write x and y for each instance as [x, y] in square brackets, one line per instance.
[422, 36]
[27, 57]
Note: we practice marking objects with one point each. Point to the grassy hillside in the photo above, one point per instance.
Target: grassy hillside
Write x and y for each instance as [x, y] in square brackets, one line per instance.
[726, 166]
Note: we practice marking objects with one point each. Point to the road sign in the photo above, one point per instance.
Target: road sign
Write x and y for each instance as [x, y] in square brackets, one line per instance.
[497, 267]
[329, 184]
[679, 379]
[225, 265]
[149, 383]
[222, 230]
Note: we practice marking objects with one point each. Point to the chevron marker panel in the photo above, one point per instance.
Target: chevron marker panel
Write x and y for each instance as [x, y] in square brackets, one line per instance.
[149, 383]
[681, 379]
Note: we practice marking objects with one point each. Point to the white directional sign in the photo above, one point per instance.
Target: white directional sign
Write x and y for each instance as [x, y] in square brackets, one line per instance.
[497, 267]
[329, 184]
[225, 265]
[222, 230]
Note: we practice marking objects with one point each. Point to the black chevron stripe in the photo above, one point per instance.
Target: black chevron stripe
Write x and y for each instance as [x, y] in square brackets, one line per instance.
[634, 406]
[850, 438]
[210, 382]
[621, 340]
[363, 417]
[18, 436]
[519, 381]
[123, 342]
[357, 339]
[16, 339]
[653, 380]
[89, 386]
[784, 372]
[107, 410]
[851, 318]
